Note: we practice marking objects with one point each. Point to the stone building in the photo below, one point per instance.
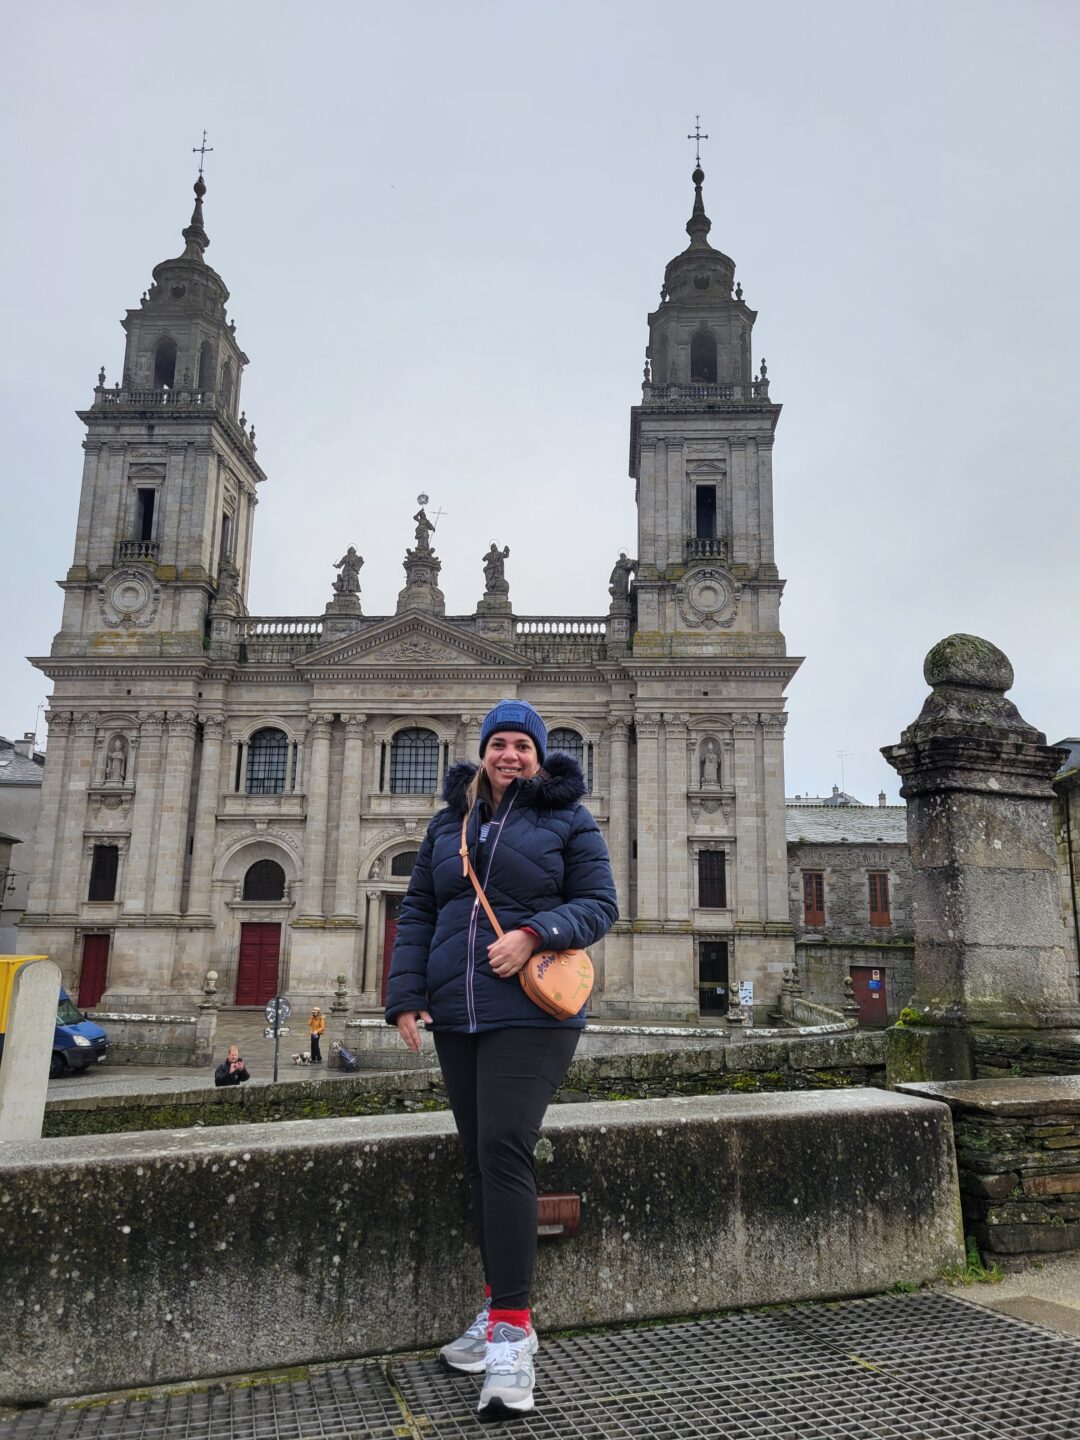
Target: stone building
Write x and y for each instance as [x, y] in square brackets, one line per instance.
[850, 901]
[22, 769]
[247, 793]
[1067, 831]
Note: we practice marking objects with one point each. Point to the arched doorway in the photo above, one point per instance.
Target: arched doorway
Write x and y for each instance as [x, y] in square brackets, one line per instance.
[401, 867]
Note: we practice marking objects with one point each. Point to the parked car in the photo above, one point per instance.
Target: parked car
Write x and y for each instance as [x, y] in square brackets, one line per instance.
[77, 1042]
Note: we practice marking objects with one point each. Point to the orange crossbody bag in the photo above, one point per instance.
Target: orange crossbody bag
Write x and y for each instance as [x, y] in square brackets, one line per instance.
[559, 981]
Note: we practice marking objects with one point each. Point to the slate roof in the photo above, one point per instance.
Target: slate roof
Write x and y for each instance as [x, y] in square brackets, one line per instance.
[1072, 760]
[856, 824]
[15, 769]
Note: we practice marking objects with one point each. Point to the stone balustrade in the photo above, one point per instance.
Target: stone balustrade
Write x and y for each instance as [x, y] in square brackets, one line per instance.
[701, 549]
[587, 628]
[680, 393]
[128, 550]
[263, 627]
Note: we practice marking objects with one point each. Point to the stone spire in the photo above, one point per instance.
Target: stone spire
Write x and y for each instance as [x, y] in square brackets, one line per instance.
[195, 237]
[699, 224]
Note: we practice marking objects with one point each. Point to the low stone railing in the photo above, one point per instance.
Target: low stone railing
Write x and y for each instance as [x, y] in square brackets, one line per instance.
[687, 1206]
[587, 628]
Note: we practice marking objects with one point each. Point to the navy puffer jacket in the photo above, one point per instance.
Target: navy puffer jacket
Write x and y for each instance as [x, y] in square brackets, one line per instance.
[544, 864]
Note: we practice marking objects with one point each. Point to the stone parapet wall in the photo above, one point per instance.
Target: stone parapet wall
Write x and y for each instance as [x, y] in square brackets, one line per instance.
[1018, 1153]
[158, 1039]
[341, 1238]
[825, 1062]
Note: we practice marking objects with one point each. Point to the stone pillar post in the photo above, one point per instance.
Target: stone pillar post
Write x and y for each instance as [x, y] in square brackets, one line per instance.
[206, 803]
[676, 862]
[648, 817]
[175, 797]
[470, 729]
[144, 811]
[318, 797]
[47, 835]
[989, 951]
[348, 856]
[72, 827]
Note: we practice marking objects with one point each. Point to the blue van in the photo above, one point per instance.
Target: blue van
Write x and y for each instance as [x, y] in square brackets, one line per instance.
[77, 1042]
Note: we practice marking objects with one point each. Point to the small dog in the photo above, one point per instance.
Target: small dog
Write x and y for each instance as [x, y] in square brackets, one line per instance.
[301, 1059]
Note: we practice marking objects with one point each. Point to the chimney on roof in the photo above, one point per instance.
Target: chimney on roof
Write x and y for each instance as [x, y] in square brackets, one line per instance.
[881, 798]
[25, 746]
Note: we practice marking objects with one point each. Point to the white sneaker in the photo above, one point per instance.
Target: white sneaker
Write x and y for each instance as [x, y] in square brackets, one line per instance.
[508, 1368]
[467, 1351]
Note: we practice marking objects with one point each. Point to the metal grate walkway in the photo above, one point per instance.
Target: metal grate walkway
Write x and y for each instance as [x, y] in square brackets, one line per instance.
[912, 1367]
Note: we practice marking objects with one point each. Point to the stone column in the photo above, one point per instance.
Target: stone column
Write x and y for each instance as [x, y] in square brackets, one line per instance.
[373, 937]
[648, 817]
[619, 811]
[749, 902]
[72, 827]
[989, 940]
[47, 834]
[348, 856]
[175, 798]
[765, 499]
[206, 803]
[144, 810]
[676, 862]
[318, 796]
[775, 903]
[740, 540]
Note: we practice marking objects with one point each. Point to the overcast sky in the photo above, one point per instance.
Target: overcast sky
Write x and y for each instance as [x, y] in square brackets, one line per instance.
[443, 225]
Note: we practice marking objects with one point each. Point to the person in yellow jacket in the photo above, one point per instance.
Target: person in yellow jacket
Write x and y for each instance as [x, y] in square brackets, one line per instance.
[316, 1025]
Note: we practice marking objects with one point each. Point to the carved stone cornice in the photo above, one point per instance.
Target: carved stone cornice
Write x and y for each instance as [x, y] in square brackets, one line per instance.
[59, 722]
[151, 722]
[744, 722]
[647, 725]
[676, 721]
[773, 723]
[86, 723]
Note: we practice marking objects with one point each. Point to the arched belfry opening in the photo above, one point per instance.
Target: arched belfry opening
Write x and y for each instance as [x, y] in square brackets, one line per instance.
[703, 357]
[165, 364]
[206, 366]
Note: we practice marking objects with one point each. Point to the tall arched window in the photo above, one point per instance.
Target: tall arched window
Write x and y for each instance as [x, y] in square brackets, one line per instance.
[265, 880]
[414, 762]
[226, 384]
[703, 357]
[268, 753]
[206, 366]
[569, 742]
[403, 864]
[165, 364]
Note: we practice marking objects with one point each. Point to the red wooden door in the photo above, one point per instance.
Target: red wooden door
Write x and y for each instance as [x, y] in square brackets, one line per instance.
[393, 910]
[869, 987]
[257, 972]
[95, 966]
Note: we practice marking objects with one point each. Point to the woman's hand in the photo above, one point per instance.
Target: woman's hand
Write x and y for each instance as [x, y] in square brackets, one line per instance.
[509, 955]
[409, 1030]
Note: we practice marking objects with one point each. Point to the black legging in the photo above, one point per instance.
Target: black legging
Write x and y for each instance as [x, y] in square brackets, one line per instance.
[499, 1084]
[316, 1053]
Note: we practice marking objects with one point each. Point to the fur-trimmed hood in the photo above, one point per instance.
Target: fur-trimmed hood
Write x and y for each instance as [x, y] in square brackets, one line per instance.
[559, 784]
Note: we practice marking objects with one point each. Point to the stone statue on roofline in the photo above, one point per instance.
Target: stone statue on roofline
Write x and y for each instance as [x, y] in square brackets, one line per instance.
[619, 582]
[495, 581]
[348, 582]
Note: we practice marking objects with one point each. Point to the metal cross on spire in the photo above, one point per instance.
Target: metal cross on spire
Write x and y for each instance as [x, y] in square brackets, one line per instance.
[697, 138]
[203, 150]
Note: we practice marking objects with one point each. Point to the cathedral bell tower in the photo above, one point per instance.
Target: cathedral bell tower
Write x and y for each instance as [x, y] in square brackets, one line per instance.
[701, 454]
[169, 477]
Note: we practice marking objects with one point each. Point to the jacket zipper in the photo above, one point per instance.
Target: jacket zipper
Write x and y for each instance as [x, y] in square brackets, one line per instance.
[470, 966]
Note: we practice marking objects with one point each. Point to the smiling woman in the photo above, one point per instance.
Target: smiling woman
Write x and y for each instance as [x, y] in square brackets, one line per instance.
[545, 871]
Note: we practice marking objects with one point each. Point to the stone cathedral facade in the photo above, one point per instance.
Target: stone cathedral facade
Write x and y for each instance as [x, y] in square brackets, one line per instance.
[246, 794]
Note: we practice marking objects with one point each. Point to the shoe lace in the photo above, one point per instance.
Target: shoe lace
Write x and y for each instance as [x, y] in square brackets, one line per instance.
[503, 1356]
[478, 1329]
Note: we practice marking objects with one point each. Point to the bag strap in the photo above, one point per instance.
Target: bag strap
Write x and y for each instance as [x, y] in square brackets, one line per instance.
[467, 869]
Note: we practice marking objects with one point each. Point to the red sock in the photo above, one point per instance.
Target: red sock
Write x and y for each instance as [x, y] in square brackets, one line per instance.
[487, 1294]
[520, 1318]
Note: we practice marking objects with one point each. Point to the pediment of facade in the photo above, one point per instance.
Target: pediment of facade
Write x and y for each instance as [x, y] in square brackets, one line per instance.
[412, 640]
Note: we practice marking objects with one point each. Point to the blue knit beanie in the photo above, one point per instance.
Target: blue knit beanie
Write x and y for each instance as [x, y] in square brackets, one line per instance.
[515, 715]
